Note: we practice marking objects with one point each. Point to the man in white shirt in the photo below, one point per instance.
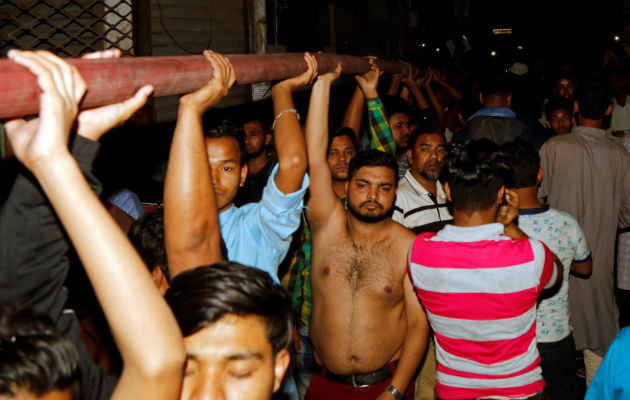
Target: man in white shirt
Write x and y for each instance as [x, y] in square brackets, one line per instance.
[420, 201]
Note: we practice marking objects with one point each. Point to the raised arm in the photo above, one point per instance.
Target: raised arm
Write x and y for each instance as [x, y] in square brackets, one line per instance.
[354, 113]
[323, 198]
[380, 133]
[191, 221]
[153, 363]
[439, 109]
[439, 79]
[288, 136]
[414, 88]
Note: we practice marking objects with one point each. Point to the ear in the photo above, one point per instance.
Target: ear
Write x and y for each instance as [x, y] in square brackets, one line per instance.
[280, 365]
[267, 139]
[447, 191]
[481, 97]
[609, 110]
[243, 174]
[347, 184]
[410, 155]
[547, 124]
[576, 108]
[539, 177]
[160, 280]
[509, 100]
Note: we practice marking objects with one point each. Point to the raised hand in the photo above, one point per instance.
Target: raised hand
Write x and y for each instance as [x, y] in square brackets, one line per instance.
[508, 211]
[62, 90]
[331, 76]
[369, 81]
[301, 80]
[223, 77]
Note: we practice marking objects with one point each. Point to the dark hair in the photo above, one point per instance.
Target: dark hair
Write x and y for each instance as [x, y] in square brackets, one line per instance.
[201, 296]
[558, 103]
[413, 138]
[561, 74]
[525, 163]
[372, 158]
[231, 130]
[34, 358]
[394, 105]
[343, 131]
[593, 98]
[497, 85]
[147, 236]
[475, 171]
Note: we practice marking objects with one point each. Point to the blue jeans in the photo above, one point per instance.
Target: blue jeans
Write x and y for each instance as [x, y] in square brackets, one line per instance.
[303, 361]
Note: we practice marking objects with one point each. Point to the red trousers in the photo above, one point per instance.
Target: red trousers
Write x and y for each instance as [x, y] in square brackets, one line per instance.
[322, 389]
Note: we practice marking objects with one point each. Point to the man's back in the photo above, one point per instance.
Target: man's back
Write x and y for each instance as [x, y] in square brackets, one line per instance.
[479, 288]
[587, 175]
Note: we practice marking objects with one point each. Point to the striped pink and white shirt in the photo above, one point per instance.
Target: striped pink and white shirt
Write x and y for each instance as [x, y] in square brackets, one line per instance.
[479, 288]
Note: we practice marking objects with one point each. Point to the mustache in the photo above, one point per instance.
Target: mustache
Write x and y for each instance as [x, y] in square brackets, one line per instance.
[371, 202]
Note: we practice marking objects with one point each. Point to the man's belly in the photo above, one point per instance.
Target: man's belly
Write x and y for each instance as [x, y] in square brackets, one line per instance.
[356, 335]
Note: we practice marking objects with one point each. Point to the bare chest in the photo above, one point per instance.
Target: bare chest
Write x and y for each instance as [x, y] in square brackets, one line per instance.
[343, 265]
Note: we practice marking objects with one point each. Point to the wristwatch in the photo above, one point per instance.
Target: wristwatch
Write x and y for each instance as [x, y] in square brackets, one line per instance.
[397, 395]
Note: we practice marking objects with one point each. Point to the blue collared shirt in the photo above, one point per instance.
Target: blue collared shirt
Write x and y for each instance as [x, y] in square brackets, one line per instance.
[494, 112]
[259, 234]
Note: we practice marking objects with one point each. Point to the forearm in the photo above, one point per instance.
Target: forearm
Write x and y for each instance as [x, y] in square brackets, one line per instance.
[512, 230]
[394, 86]
[418, 97]
[119, 278]
[354, 112]
[193, 235]
[413, 350]
[456, 94]
[289, 141]
[435, 103]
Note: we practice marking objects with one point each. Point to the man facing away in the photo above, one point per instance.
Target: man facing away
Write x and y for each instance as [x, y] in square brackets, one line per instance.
[588, 176]
[479, 281]
[420, 199]
[561, 232]
[367, 328]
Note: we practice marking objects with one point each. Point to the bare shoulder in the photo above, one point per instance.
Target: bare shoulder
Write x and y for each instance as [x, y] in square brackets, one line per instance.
[403, 236]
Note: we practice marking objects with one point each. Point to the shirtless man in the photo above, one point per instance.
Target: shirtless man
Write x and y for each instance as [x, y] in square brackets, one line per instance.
[367, 329]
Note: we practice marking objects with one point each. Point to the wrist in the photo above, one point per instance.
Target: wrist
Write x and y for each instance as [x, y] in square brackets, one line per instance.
[391, 389]
[50, 165]
[370, 93]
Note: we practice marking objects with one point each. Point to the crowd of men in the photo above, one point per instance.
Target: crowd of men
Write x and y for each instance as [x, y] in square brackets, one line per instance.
[449, 248]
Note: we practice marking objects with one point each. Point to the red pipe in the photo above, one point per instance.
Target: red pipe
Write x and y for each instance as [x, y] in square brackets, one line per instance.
[113, 80]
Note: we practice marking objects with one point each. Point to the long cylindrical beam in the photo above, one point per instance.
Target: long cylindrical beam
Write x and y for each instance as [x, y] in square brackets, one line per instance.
[114, 80]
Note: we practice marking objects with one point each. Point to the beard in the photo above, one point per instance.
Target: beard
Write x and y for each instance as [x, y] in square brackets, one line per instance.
[255, 154]
[369, 217]
[432, 174]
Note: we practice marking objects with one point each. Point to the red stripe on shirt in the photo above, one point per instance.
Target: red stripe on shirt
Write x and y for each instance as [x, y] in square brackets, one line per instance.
[548, 268]
[471, 255]
[478, 306]
[490, 351]
[450, 392]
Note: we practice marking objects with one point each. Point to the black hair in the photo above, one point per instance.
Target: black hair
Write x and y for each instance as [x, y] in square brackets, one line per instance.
[34, 358]
[561, 74]
[231, 130]
[394, 105]
[343, 131]
[497, 85]
[475, 171]
[147, 236]
[558, 103]
[372, 158]
[202, 296]
[593, 97]
[413, 138]
[525, 163]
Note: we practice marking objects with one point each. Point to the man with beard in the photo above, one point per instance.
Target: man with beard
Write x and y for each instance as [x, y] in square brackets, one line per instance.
[259, 164]
[367, 328]
[421, 201]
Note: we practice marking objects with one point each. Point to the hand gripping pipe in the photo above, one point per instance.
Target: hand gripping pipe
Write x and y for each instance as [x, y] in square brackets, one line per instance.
[113, 80]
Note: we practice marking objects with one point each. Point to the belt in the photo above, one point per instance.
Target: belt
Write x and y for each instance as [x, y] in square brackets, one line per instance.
[358, 380]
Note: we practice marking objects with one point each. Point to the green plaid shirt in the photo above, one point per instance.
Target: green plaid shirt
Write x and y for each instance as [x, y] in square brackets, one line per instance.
[297, 280]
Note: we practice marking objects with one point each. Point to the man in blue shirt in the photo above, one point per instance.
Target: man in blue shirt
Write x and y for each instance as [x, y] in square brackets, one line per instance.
[205, 174]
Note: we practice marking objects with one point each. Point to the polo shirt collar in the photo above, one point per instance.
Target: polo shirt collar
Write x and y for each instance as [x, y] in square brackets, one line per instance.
[503, 112]
[421, 191]
[477, 233]
[533, 211]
